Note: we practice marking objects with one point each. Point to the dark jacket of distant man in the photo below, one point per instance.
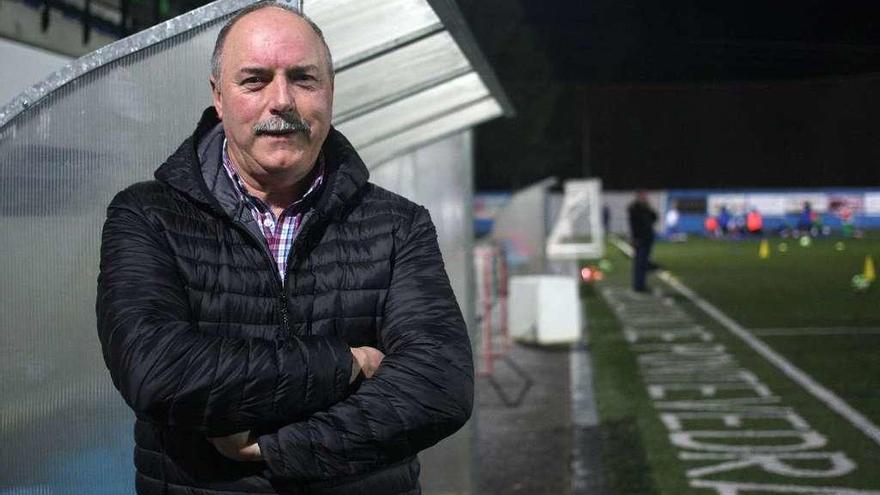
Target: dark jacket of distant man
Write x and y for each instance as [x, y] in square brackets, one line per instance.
[641, 221]
[641, 227]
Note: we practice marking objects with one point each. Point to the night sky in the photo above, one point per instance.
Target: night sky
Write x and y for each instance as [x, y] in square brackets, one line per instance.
[665, 94]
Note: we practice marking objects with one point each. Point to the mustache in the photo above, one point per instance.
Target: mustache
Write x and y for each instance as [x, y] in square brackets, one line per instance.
[281, 124]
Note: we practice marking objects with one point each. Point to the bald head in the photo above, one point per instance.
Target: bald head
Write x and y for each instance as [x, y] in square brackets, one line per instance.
[273, 93]
[219, 44]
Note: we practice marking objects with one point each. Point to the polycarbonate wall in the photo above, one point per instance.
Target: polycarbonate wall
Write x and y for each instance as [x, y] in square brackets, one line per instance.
[439, 176]
[521, 229]
[65, 428]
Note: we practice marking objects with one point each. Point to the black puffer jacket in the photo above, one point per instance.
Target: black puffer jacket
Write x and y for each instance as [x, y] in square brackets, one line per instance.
[202, 338]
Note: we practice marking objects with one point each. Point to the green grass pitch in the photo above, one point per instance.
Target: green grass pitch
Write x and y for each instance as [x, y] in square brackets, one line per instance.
[806, 290]
[800, 301]
[797, 287]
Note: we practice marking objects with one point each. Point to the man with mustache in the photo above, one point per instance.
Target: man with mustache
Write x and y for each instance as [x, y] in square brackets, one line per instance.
[278, 323]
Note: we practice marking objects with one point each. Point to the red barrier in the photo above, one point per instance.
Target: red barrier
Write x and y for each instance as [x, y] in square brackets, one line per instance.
[492, 281]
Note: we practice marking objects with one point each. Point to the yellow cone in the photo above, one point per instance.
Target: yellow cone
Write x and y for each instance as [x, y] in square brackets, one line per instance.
[764, 250]
[869, 273]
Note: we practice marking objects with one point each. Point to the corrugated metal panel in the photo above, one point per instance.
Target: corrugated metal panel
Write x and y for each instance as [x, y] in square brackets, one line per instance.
[443, 125]
[419, 108]
[362, 29]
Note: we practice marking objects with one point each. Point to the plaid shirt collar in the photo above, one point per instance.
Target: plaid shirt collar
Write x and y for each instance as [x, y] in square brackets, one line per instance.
[254, 203]
[280, 232]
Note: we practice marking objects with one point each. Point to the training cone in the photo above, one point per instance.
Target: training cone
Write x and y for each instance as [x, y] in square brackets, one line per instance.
[764, 250]
[869, 273]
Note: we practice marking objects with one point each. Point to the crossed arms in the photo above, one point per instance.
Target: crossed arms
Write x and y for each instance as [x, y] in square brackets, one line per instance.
[223, 387]
[243, 446]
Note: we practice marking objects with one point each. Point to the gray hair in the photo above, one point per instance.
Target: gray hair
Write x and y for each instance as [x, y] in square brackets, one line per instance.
[224, 32]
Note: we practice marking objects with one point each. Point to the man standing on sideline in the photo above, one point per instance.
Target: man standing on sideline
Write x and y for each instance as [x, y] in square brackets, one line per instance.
[278, 323]
[641, 228]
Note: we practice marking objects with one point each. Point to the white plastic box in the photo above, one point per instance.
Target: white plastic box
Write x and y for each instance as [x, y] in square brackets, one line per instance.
[544, 309]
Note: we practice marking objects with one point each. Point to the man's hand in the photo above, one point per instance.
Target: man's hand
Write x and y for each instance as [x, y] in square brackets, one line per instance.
[240, 446]
[366, 359]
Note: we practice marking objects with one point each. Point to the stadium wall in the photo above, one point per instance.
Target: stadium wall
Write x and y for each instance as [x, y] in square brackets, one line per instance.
[779, 208]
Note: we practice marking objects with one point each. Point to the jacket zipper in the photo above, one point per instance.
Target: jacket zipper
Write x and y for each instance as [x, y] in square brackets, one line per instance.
[292, 256]
[279, 284]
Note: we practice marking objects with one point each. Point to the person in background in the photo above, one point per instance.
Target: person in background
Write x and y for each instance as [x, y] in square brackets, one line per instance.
[671, 219]
[710, 224]
[641, 227]
[754, 222]
[724, 220]
[806, 219]
[847, 220]
[671, 222]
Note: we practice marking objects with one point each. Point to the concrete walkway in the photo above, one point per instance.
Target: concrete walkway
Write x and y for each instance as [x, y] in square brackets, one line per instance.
[526, 448]
[547, 443]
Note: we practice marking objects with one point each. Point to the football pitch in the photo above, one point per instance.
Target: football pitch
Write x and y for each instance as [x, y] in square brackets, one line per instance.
[740, 374]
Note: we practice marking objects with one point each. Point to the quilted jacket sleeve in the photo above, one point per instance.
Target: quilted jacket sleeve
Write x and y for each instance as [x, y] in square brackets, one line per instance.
[422, 392]
[169, 373]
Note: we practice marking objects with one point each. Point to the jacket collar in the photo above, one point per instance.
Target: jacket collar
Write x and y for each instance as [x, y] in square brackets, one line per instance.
[346, 173]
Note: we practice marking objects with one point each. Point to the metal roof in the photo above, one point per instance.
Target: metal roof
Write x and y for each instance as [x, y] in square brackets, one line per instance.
[408, 71]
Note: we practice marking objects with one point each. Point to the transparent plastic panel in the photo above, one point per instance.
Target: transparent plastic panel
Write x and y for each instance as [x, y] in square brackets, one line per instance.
[355, 30]
[405, 71]
[417, 109]
[521, 230]
[425, 132]
[439, 176]
[61, 161]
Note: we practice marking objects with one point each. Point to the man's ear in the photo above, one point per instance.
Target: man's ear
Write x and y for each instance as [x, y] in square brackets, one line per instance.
[215, 96]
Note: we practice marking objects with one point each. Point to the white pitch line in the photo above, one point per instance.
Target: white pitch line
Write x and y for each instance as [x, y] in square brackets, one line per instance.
[825, 395]
[620, 244]
[818, 391]
[733, 488]
[814, 331]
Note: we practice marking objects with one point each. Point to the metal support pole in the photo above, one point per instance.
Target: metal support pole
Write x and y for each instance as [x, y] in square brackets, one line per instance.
[488, 351]
[44, 16]
[502, 297]
[157, 11]
[123, 18]
[87, 22]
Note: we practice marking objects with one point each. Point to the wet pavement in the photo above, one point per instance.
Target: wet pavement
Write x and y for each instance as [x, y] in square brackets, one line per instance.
[526, 429]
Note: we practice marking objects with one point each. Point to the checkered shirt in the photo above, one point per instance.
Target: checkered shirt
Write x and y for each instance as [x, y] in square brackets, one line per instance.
[279, 232]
